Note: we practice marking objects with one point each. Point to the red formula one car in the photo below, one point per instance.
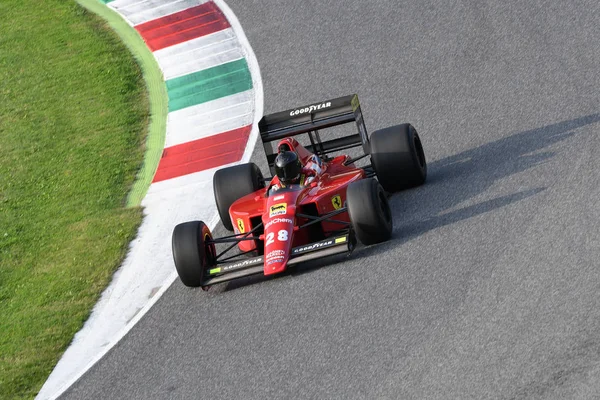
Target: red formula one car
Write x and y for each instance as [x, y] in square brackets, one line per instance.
[314, 206]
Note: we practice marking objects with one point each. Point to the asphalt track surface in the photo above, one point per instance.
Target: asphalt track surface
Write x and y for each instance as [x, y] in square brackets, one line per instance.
[490, 286]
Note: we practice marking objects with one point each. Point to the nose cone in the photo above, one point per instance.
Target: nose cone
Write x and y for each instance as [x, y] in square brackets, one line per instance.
[278, 242]
[279, 228]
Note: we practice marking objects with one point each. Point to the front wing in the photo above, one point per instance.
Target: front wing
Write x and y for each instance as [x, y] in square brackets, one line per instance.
[252, 266]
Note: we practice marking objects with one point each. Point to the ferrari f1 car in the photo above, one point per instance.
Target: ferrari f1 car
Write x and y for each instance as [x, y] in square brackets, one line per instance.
[279, 222]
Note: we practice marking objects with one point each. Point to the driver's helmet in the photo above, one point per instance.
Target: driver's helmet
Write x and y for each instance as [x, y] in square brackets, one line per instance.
[288, 167]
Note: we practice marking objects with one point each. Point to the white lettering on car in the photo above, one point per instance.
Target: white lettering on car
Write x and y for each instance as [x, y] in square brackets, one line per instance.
[275, 253]
[270, 238]
[282, 236]
[310, 109]
[277, 221]
[312, 246]
[242, 264]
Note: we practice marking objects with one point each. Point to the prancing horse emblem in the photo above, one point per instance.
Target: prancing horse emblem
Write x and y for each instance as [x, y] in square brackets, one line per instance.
[240, 224]
[336, 201]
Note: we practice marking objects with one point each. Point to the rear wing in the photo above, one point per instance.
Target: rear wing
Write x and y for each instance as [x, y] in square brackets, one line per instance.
[309, 119]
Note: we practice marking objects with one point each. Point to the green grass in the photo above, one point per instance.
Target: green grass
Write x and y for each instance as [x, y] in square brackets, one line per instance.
[73, 114]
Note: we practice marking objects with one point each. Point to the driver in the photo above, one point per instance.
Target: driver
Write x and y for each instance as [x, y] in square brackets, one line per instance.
[289, 170]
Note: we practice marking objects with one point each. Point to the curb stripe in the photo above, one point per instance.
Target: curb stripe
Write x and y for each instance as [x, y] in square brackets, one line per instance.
[203, 154]
[171, 54]
[137, 12]
[185, 25]
[181, 20]
[210, 118]
[198, 54]
[209, 84]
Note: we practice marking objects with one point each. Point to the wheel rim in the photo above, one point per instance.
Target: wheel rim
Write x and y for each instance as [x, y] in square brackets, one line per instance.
[209, 251]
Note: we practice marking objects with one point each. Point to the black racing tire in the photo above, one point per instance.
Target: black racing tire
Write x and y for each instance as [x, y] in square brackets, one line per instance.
[191, 254]
[369, 211]
[229, 184]
[398, 158]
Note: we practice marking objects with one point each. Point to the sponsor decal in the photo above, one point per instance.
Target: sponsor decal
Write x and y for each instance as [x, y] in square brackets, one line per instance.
[336, 201]
[312, 246]
[241, 264]
[278, 209]
[310, 109]
[240, 225]
[280, 197]
[275, 253]
[275, 260]
[214, 271]
[277, 221]
[340, 240]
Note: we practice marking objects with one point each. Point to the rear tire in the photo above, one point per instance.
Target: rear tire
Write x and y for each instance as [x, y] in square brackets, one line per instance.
[398, 158]
[229, 184]
[191, 254]
[369, 211]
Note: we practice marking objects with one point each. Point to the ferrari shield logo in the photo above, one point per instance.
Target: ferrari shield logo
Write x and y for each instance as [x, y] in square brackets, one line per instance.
[278, 209]
[240, 224]
[336, 201]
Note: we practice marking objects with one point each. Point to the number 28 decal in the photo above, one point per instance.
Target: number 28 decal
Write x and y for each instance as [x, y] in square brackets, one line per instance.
[282, 236]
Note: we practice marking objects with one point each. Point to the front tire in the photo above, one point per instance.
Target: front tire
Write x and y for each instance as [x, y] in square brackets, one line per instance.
[229, 184]
[191, 254]
[398, 158]
[369, 211]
